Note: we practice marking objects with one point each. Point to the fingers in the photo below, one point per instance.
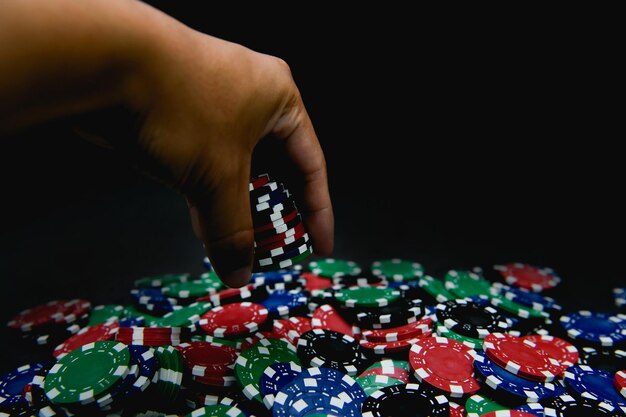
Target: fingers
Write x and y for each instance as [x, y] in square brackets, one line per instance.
[304, 149]
[221, 218]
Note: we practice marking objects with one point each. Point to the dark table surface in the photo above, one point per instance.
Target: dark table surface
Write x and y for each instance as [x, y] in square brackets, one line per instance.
[478, 155]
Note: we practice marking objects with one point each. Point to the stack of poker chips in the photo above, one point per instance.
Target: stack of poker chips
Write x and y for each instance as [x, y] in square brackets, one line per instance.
[280, 238]
[335, 340]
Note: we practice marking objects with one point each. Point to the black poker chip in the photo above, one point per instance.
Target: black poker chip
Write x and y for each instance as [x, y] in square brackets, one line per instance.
[568, 406]
[610, 360]
[330, 349]
[470, 319]
[395, 314]
[402, 400]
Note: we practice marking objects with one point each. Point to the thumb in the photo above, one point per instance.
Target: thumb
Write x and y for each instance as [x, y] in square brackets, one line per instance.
[221, 219]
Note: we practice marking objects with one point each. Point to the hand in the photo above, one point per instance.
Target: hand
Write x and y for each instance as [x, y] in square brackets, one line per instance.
[185, 107]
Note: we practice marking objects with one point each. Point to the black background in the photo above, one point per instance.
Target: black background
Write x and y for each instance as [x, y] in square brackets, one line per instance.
[454, 145]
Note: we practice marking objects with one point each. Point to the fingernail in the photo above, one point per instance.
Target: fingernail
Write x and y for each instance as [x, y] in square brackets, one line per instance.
[239, 277]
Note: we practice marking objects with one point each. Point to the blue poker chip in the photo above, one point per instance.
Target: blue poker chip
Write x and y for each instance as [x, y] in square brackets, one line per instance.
[595, 328]
[274, 378]
[527, 298]
[282, 302]
[207, 264]
[144, 296]
[510, 386]
[12, 384]
[139, 321]
[274, 277]
[532, 408]
[594, 384]
[316, 388]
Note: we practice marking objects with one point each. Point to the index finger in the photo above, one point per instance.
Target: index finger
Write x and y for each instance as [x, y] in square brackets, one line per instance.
[294, 127]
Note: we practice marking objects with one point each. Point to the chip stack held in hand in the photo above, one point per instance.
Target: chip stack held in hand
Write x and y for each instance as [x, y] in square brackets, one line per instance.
[329, 340]
[280, 238]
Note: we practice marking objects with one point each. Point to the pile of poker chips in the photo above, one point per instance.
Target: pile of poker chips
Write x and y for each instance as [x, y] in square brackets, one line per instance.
[334, 341]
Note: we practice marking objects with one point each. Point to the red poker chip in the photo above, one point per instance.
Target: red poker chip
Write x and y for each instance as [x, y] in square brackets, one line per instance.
[233, 319]
[327, 318]
[216, 381]
[620, 382]
[315, 282]
[528, 276]
[456, 410]
[445, 364]
[505, 413]
[281, 239]
[97, 333]
[206, 359]
[389, 347]
[276, 223]
[153, 336]
[392, 372]
[564, 352]
[40, 315]
[521, 357]
[393, 334]
[258, 181]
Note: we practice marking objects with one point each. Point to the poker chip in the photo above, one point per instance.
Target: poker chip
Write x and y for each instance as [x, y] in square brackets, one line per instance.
[217, 410]
[397, 313]
[274, 378]
[456, 410]
[518, 310]
[86, 372]
[470, 319]
[283, 303]
[206, 359]
[330, 349]
[411, 330]
[536, 302]
[521, 357]
[619, 295]
[594, 384]
[252, 362]
[333, 268]
[565, 353]
[566, 405]
[367, 296]
[388, 367]
[233, 319]
[620, 382]
[477, 405]
[436, 289]
[384, 348]
[596, 329]
[13, 383]
[466, 283]
[397, 269]
[326, 317]
[444, 364]
[320, 391]
[152, 336]
[512, 387]
[472, 343]
[528, 277]
[372, 383]
[99, 332]
[393, 400]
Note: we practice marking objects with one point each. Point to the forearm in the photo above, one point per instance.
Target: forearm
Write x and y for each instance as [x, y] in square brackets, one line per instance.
[63, 57]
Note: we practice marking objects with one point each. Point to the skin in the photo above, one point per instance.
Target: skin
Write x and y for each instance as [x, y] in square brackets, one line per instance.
[185, 107]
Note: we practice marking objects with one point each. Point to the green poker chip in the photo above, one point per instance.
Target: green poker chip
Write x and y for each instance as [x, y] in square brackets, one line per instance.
[106, 313]
[473, 343]
[397, 269]
[184, 316]
[372, 383]
[252, 362]
[192, 289]
[517, 309]
[436, 289]
[367, 296]
[477, 405]
[463, 283]
[334, 268]
[159, 281]
[217, 410]
[83, 374]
